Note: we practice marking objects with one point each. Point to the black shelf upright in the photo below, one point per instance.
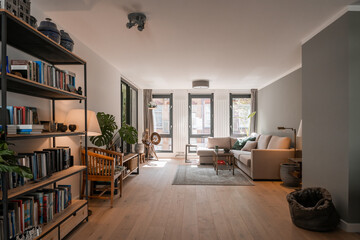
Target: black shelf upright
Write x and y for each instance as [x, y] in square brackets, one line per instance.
[18, 34]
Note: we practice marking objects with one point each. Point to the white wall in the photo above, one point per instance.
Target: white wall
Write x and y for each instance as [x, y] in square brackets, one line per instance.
[180, 115]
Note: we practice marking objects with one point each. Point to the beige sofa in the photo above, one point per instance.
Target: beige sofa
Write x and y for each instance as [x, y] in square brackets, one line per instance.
[262, 163]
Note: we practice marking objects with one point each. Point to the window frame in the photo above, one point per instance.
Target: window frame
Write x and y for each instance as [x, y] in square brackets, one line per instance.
[128, 119]
[232, 96]
[190, 135]
[170, 96]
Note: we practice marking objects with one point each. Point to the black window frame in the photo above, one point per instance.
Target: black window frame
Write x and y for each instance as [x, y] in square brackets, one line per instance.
[170, 96]
[232, 96]
[128, 119]
[190, 135]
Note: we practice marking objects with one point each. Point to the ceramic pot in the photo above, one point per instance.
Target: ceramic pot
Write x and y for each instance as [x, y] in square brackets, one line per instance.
[33, 22]
[72, 127]
[139, 148]
[286, 170]
[66, 41]
[63, 128]
[49, 29]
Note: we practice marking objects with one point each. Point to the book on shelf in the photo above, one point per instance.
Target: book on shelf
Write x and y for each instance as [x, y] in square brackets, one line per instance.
[17, 115]
[42, 164]
[44, 73]
[28, 213]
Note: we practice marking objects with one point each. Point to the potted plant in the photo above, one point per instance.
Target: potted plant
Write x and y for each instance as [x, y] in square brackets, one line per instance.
[110, 131]
[8, 162]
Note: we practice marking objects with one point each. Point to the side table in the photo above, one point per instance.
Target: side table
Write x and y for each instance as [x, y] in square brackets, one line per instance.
[299, 162]
[187, 148]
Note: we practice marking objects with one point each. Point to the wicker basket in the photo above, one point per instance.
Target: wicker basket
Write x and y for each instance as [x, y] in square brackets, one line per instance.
[133, 163]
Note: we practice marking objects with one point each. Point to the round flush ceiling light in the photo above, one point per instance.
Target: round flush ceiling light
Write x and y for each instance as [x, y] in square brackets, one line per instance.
[200, 84]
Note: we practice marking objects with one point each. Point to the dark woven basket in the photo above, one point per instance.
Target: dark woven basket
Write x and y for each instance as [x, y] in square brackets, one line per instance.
[313, 209]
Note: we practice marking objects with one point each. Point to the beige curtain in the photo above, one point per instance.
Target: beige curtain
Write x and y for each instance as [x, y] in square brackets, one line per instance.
[148, 118]
[253, 121]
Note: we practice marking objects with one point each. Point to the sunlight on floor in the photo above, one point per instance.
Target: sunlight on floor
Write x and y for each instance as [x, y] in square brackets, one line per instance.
[161, 163]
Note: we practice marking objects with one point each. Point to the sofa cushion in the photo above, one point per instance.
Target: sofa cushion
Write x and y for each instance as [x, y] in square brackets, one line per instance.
[221, 142]
[238, 153]
[204, 152]
[240, 143]
[279, 143]
[246, 159]
[232, 141]
[263, 141]
[249, 146]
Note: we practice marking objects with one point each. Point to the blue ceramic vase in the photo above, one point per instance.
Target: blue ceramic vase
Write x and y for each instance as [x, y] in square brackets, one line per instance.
[49, 29]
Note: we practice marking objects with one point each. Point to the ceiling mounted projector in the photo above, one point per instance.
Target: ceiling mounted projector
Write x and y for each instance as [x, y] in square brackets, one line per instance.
[200, 84]
[136, 19]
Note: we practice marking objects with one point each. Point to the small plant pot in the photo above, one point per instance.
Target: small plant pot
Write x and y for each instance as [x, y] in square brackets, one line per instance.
[139, 148]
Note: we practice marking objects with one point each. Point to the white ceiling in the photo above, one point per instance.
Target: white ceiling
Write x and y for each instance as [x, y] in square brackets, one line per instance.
[236, 44]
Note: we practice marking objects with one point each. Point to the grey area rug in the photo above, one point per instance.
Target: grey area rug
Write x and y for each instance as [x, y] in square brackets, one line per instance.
[206, 175]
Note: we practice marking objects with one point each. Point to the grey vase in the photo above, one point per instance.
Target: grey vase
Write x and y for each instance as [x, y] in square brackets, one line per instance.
[139, 148]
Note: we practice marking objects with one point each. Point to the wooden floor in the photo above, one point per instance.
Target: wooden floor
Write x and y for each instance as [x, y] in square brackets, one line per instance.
[152, 208]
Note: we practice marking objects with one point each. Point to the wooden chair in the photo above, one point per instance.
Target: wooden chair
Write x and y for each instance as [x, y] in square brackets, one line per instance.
[105, 166]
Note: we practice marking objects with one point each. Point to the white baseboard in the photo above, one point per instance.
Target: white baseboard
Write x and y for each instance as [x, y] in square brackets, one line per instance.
[349, 227]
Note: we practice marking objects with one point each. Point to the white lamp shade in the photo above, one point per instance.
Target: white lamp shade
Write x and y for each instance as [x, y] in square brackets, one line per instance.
[300, 130]
[77, 116]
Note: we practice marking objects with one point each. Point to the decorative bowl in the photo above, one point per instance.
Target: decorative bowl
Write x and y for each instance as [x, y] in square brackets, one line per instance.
[72, 127]
[49, 29]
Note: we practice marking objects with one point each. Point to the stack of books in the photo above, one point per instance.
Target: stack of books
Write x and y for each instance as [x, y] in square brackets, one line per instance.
[44, 73]
[34, 209]
[42, 164]
[29, 129]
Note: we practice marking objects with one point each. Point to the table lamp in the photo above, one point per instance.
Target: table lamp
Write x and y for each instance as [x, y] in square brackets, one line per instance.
[76, 117]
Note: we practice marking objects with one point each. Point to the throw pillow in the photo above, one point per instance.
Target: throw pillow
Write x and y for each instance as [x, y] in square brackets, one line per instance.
[241, 143]
[249, 146]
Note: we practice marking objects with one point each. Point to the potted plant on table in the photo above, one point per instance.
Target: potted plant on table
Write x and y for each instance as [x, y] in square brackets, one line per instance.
[110, 132]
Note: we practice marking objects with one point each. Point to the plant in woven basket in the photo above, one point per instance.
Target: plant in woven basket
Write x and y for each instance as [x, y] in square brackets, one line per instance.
[8, 162]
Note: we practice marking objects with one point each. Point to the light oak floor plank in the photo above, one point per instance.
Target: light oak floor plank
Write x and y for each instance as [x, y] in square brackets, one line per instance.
[153, 208]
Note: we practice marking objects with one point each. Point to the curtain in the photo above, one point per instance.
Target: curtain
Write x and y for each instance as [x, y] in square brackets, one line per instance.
[253, 122]
[148, 118]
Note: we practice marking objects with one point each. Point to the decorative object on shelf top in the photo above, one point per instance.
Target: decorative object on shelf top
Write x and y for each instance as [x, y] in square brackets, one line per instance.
[152, 105]
[76, 117]
[200, 83]
[66, 41]
[19, 8]
[49, 29]
[138, 19]
[33, 22]
[61, 127]
[9, 163]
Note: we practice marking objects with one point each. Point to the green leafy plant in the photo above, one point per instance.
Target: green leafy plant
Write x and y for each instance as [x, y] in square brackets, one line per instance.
[109, 130]
[8, 162]
[108, 126]
[128, 133]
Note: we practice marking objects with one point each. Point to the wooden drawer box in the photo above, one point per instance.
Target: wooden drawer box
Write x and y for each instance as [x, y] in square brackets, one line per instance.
[73, 221]
[53, 235]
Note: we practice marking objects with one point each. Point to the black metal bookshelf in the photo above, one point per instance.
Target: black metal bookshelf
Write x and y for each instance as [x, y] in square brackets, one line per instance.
[18, 34]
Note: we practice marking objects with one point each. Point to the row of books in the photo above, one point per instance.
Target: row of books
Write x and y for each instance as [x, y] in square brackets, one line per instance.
[42, 164]
[17, 115]
[36, 208]
[44, 73]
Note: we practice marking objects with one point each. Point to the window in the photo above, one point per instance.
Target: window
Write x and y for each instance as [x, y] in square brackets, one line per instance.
[162, 118]
[201, 119]
[240, 109]
[129, 110]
